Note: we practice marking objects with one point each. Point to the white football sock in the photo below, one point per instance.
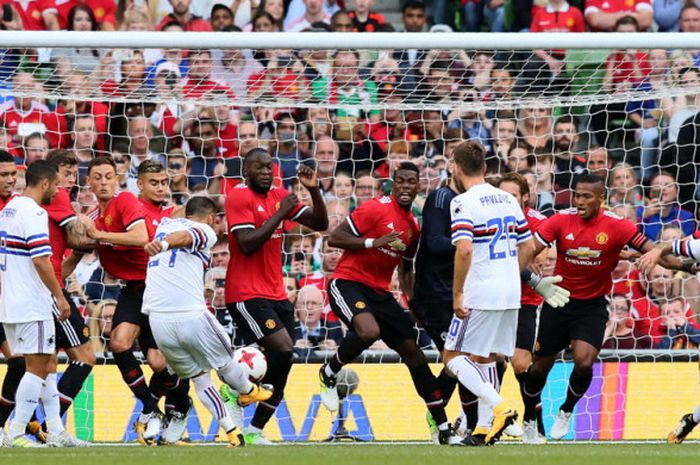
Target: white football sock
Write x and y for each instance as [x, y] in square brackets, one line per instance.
[52, 404]
[235, 377]
[485, 412]
[26, 400]
[213, 401]
[696, 414]
[472, 378]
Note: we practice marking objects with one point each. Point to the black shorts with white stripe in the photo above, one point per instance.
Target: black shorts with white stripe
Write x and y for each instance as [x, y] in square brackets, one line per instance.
[71, 332]
[349, 298]
[257, 318]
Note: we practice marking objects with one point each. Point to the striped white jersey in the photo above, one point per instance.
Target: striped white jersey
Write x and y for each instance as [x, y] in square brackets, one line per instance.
[494, 222]
[24, 235]
[175, 278]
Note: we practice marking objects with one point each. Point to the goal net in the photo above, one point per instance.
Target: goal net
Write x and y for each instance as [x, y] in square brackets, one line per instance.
[354, 106]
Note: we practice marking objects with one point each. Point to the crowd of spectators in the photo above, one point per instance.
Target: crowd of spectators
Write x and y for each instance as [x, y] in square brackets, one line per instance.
[200, 111]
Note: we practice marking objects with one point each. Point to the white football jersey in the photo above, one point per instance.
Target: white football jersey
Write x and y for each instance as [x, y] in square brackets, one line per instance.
[495, 223]
[24, 235]
[175, 278]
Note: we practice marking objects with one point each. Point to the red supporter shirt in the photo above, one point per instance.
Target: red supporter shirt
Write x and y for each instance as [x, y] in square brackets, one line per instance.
[198, 89]
[55, 124]
[283, 85]
[528, 294]
[588, 251]
[196, 24]
[258, 275]
[373, 20]
[60, 213]
[105, 11]
[567, 19]
[614, 6]
[373, 219]
[29, 13]
[121, 213]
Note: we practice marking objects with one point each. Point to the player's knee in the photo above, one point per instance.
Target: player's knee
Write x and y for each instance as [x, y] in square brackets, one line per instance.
[520, 363]
[413, 357]
[368, 333]
[155, 360]
[84, 354]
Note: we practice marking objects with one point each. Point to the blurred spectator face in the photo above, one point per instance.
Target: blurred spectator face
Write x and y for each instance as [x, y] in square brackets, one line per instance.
[673, 313]
[481, 63]
[36, 148]
[365, 187]
[690, 20]
[177, 168]
[180, 7]
[626, 28]
[220, 256]
[24, 83]
[247, 137]
[342, 187]
[263, 24]
[135, 68]
[81, 21]
[286, 130]
[337, 213]
[290, 287]
[20, 184]
[203, 138]
[626, 211]
[565, 136]
[275, 8]
[331, 256]
[86, 199]
[550, 261]
[517, 159]
[313, 7]
[136, 21]
[623, 179]
[657, 61]
[663, 187]
[413, 19]
[619, 310]
[598, 162]
[363, 6]
[670, 233]
[429, 177]
[501, 82]
[309, 306]
[345, 69]
[538, 116]
[105, 321]
[504, 131]
[450, 147]
[320, 121]
[123, 162]
[84, 135]
[140, 134]
[103, 182]
[441, 82]
[661, 282]
[341, 22]
[691, 78]
[543, 169]
[219, 300]
[398, 153]
[200, 65]
[220, 19]
[326, 156]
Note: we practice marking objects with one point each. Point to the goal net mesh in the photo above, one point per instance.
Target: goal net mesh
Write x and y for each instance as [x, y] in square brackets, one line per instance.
[355, 114]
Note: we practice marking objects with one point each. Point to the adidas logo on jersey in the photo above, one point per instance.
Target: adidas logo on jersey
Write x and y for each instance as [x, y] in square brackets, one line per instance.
[390, 226]
[261, 209]
[569, 237]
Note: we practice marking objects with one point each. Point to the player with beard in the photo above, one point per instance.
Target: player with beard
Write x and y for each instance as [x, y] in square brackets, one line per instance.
[377, 237]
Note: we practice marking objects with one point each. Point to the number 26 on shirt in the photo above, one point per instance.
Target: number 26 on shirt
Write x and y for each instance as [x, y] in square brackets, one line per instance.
[504, 228]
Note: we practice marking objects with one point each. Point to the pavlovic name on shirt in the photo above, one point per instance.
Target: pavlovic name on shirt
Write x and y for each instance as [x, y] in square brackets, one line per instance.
[494, 199]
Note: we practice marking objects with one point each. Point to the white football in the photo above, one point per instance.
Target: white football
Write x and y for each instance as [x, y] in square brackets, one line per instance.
[252, 361]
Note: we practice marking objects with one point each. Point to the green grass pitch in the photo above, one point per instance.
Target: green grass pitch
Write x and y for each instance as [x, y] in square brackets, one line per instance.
[370, 454]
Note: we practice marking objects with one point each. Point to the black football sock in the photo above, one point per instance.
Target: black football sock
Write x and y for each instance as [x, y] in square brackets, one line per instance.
[532, 392]
[470, 407]
[71, 382]
[350, 348]
[447, 385]
[134, 378]
[501, 368]
[579, 381]
[279, 364]
[427, 387]
[177, 393]
[15, 371]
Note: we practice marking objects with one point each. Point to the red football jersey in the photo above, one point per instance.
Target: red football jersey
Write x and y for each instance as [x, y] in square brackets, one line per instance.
[615, 6]
[3, 201]
[60, 213]
[588, 251]
[258, 275]
[154, 214]
[373, 219]
[534, 220]
[29, 13]
[199, 89]
[104, 10]
[120, 214]
[567, 19]
[56, 127]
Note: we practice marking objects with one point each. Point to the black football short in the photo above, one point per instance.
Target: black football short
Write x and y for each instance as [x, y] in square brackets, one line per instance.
[582, 320]
[3, 338]
[435, 318]
[129, 311]
[71, 332]
[350, 298]
[527, 328]
[257, 318]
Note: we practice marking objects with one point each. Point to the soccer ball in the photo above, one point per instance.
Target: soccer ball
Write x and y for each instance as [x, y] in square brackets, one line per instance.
[252, 361]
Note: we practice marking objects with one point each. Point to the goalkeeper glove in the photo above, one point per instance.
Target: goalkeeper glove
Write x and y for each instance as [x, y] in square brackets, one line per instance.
[554, 295]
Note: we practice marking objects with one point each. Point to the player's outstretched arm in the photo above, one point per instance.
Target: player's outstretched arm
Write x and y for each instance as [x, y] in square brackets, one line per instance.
[46, 273]
[316, 217]
[136, 236]
[174, 240]
[667, 255]
[343, 237]
[77, 236]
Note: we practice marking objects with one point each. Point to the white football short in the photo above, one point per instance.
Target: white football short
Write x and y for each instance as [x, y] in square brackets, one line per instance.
[31, 338]
[484, 332]
[192, 344]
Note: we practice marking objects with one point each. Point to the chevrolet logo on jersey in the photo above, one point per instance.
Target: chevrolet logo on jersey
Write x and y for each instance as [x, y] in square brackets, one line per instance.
[583, 252]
